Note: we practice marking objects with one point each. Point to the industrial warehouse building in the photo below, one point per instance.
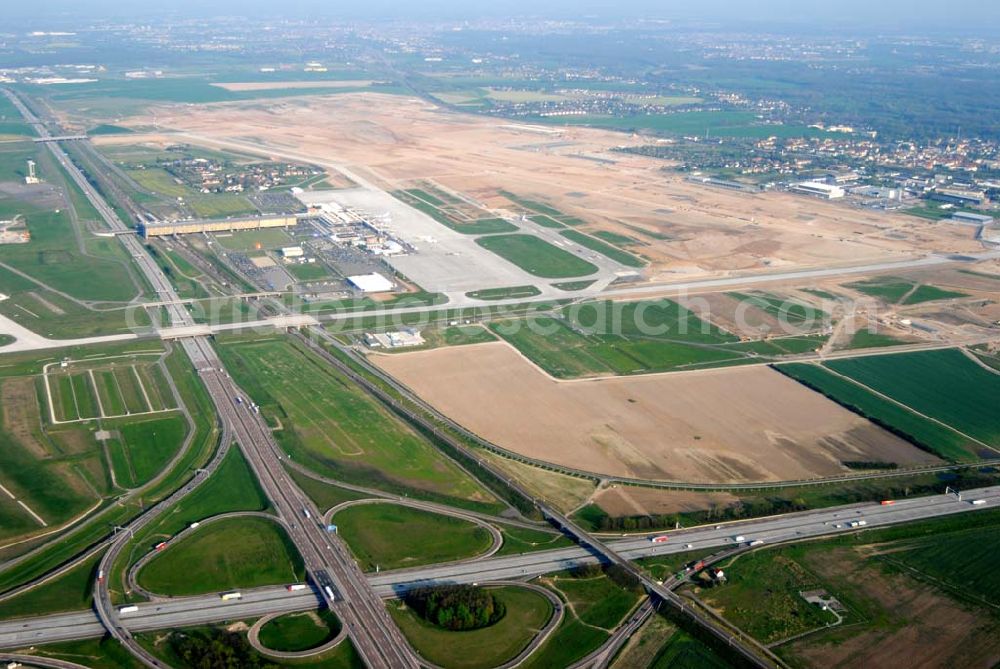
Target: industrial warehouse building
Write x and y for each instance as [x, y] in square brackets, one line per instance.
[974, 219]
[162, 228]
[959, 197]
[818, 189]
[371, 283]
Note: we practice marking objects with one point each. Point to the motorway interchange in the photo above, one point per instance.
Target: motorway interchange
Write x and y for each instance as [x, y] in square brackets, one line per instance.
[337, 581]
[182, 611]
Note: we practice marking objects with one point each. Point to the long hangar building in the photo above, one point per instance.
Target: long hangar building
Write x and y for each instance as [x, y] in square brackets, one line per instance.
[163, 228]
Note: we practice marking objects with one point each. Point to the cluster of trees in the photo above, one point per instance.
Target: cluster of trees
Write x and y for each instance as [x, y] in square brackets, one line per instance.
[217, 649]
[456, 607]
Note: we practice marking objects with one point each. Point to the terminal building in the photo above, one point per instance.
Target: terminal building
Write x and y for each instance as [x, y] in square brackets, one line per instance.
[819, 189]
[163, 228]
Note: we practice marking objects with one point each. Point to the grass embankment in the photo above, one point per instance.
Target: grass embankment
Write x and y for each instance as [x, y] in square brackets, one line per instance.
[526, 613]
[392, 537]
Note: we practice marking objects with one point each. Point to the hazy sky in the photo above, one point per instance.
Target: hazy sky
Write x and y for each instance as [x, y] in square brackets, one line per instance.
[949, 15]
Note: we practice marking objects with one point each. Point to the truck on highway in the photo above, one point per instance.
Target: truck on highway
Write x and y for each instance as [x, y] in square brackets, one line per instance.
[127, 609]
[100, 576]
[160, 546]
[329, 593]
[661, 539]
[230, 596]
[857, 523]
[756, 542]
[888, 502]
[295, 587]
[739, 538]
[978, 502]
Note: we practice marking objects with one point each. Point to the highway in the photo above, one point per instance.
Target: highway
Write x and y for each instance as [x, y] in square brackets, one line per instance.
[803, 525]
[329, 563]
[330, 566]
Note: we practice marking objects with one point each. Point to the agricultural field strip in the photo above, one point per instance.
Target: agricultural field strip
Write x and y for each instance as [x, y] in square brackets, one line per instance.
[907, 407]
[80, 624]
[24, 506]
[148, 409]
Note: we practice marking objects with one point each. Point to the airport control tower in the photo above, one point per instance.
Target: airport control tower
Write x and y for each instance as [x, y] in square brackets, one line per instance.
[32, 178]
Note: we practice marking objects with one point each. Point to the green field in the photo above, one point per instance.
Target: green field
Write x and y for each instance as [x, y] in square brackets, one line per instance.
[478, 649]
[615, 238]
[944, 385]
[634, 337]
[102, 653]
[150, 445]
[902, 291]
[517, 540]
[605, 249]
[935, 558]
[683, 651]
[868, 338]
[464, 220]
[393, 537]
[930, 436]
[227, 554]
[546, 221]
[109, 389]
[536, 256]
[294, 632]
[504, 293]
[952, 556]
[456, 335]
[249, 240]
[73, 541]
[324, 495]
[780, 614]
[309, 271]
[53, 259]
[57, 473]
[70, 592]
[925, 293]
[232, 487]
[335, 428]
[596, 607]
[789, 311]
